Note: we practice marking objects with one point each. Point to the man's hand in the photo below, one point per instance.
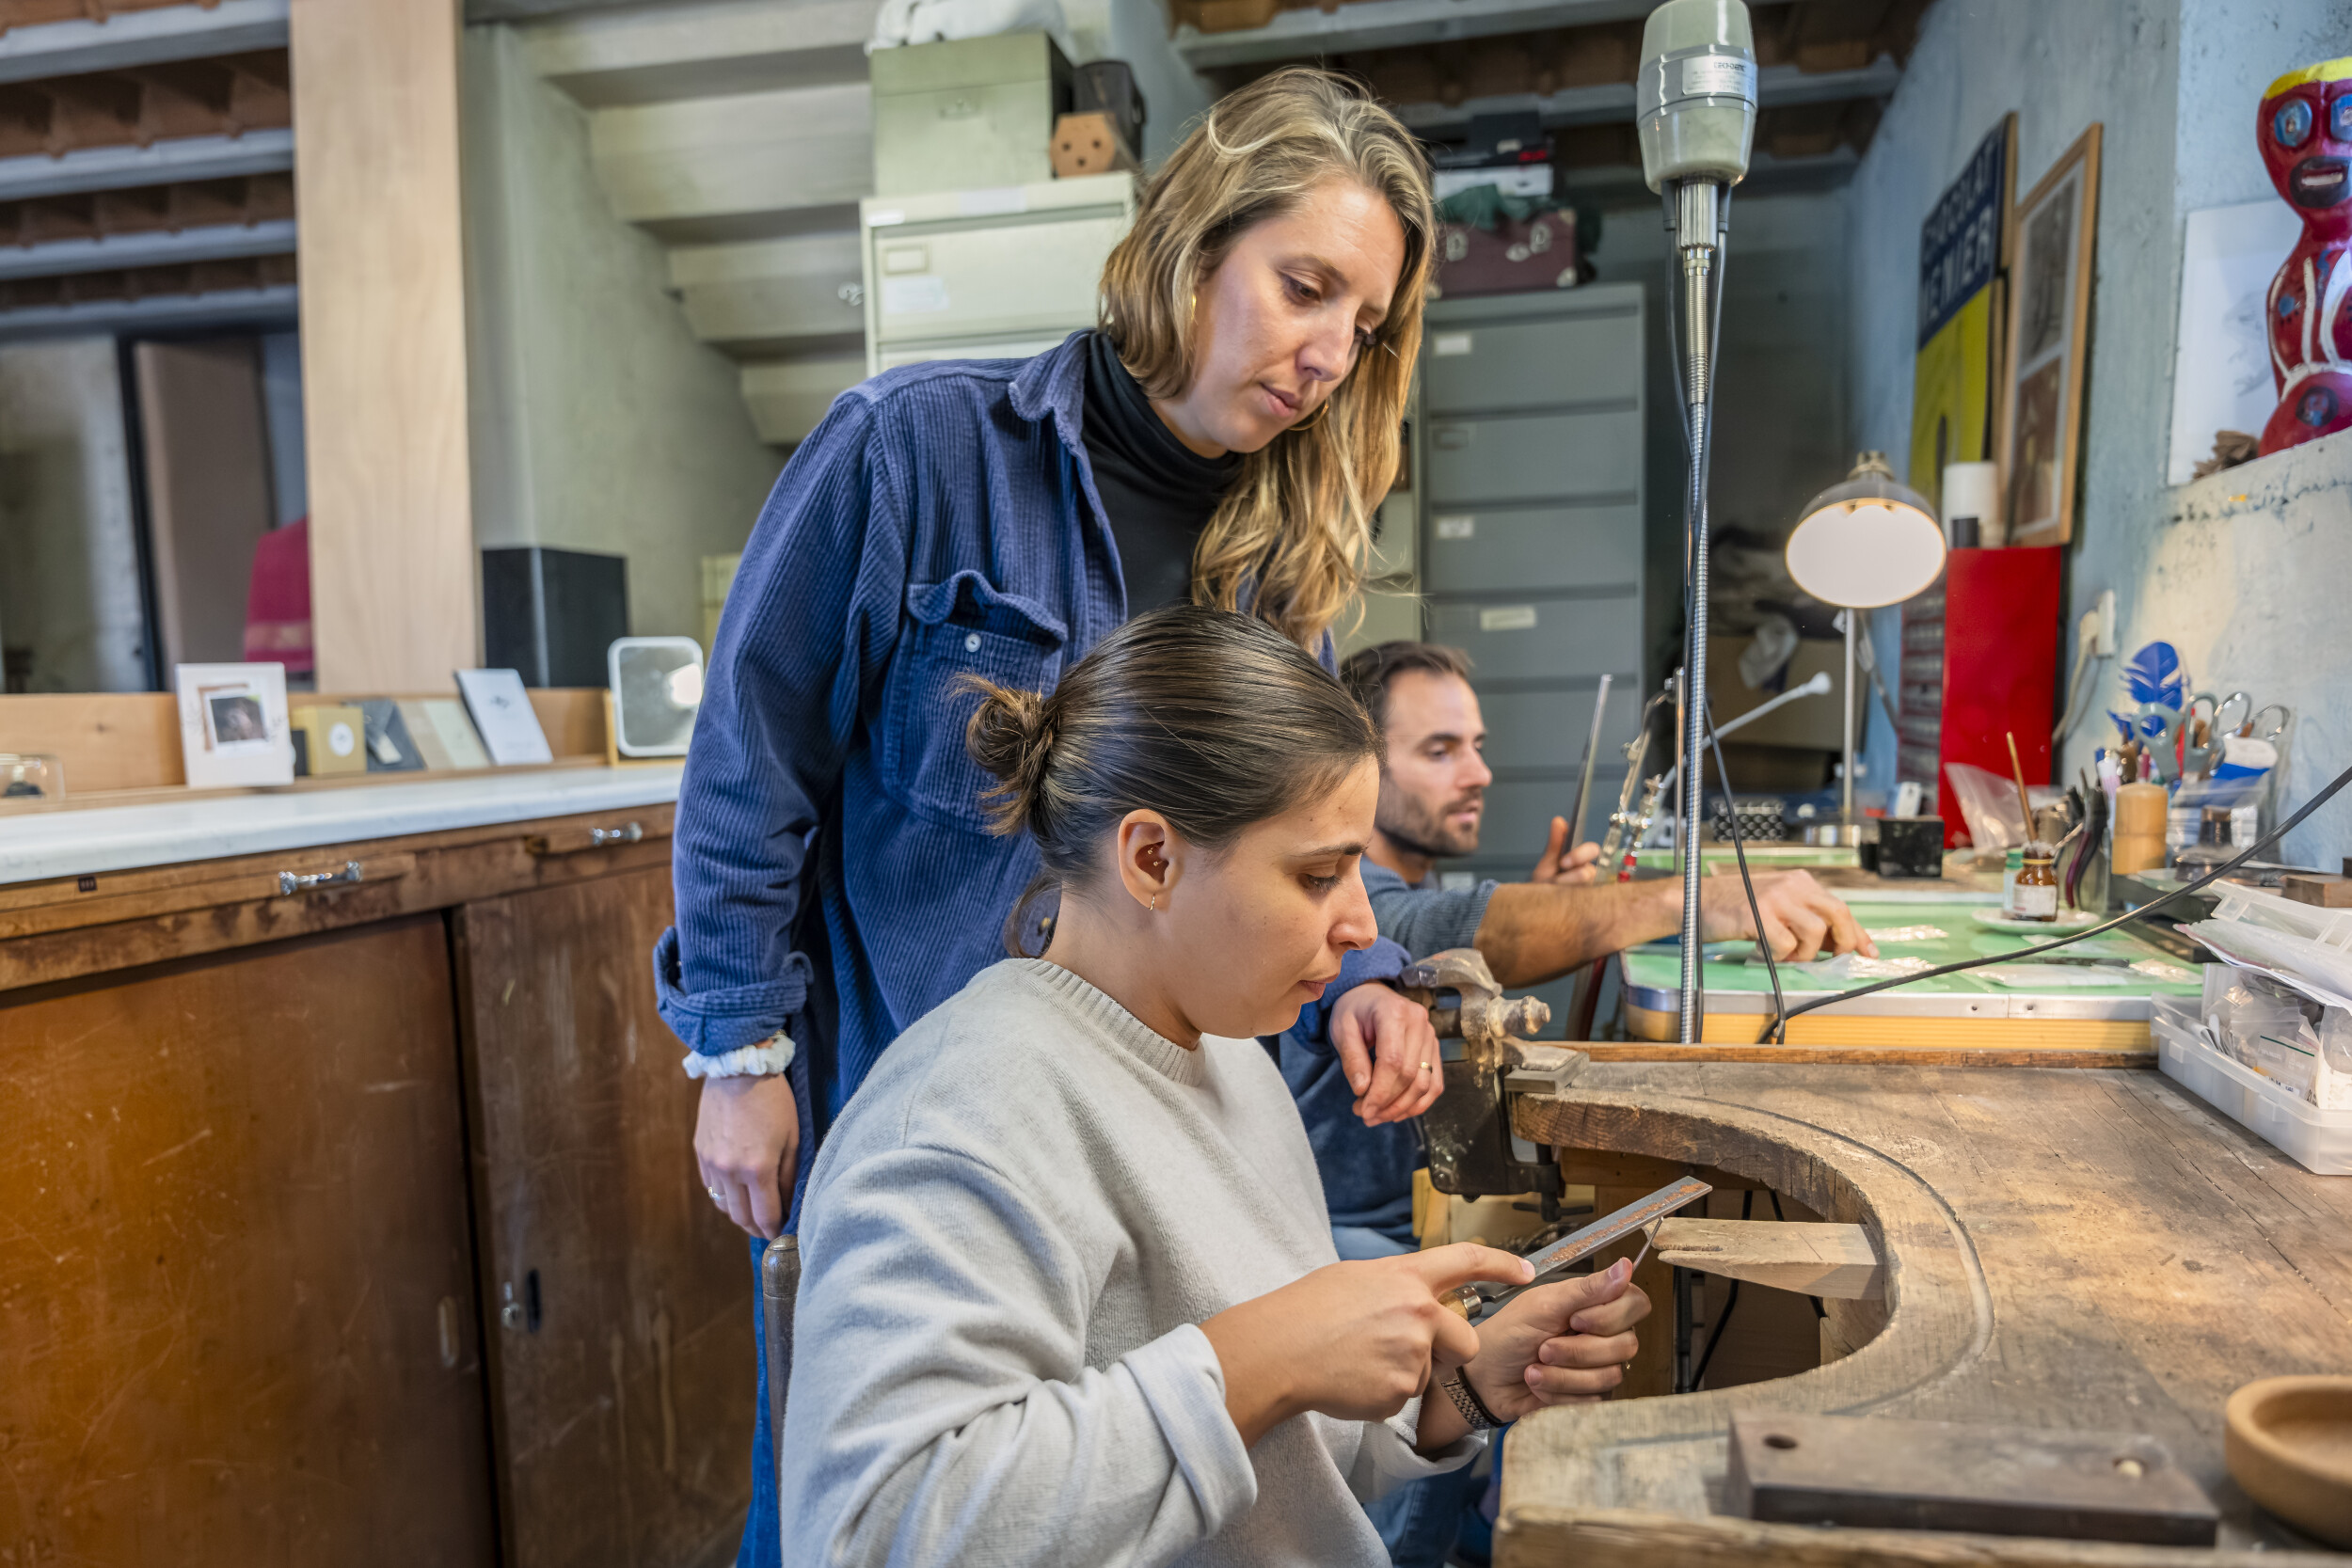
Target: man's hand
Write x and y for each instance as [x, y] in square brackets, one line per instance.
[1559, 864]
[1562, 1344]
[747, 1142]
[1389, 1051]
[1800, 916]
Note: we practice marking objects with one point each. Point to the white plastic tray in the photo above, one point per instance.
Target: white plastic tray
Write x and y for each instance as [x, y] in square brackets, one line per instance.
[2253, 906]
[2319, 1141]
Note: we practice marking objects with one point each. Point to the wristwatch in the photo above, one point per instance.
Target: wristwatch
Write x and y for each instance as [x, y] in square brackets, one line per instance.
[1466, 1400]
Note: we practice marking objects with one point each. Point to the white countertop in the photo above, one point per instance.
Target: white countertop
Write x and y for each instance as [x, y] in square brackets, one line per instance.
[36, 846]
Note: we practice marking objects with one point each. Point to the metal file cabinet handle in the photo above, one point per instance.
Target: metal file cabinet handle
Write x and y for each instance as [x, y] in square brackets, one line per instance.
[290, 883]
[571, 841]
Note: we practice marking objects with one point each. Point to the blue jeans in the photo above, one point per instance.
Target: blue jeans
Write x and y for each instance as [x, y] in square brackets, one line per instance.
[1360, 1243]
[1417, 1523]
[763, 1531]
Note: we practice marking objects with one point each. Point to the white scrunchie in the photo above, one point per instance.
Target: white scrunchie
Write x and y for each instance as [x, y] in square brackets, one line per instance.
[771, 1055]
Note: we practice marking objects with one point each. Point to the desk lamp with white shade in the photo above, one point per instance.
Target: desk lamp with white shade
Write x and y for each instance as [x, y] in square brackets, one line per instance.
[1865, 543]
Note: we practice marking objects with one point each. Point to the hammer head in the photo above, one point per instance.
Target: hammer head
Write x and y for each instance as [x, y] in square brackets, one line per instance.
[1456, 969]
[1482, 1019]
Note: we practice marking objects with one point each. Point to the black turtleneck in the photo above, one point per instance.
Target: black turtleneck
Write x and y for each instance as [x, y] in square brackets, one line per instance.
[1157, 492]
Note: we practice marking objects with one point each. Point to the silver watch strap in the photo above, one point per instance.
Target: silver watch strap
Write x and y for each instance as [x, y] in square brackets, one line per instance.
[1468, 1403]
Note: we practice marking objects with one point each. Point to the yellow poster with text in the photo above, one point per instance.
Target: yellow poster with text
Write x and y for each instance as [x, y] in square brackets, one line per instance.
[1951, 396]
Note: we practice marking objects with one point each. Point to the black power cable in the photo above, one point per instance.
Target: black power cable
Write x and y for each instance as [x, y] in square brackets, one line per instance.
[1782, 1014]
[1731, 812]
[1731, 1299]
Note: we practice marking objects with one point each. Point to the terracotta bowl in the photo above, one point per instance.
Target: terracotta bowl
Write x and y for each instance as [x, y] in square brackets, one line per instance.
[2289, 1444]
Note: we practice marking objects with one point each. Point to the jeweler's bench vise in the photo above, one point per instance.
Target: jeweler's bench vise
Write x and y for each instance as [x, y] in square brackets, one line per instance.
[1488, 1058]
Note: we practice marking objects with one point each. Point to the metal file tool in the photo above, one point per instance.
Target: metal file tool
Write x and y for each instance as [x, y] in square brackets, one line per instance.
[1592, 755]
[1476, 1301]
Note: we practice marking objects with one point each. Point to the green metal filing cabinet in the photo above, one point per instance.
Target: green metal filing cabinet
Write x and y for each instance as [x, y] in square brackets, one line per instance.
[968, 114]
[1531, 544]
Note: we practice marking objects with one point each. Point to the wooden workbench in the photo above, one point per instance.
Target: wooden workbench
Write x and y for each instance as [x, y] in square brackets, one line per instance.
[2091, 1249]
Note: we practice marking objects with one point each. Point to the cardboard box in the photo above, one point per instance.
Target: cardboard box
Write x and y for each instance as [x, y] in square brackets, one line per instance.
[1089, 144]
[333, 739]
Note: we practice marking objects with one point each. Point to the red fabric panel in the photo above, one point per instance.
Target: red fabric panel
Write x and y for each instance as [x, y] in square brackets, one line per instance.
[278, 603]
[2000, 666]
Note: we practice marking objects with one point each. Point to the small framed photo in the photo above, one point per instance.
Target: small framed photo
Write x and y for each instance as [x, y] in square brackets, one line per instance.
[2049, 336]
[234, 726]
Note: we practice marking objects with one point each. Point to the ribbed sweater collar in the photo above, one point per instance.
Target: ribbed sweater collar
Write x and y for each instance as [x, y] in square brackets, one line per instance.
[1097, 1009]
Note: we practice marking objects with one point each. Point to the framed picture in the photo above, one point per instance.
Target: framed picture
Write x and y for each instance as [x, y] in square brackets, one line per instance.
[1956, 377]
[2221, 369]
[2048, 336]
[233, 728]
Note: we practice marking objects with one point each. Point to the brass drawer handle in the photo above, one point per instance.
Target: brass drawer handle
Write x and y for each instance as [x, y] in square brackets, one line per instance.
[290, 882]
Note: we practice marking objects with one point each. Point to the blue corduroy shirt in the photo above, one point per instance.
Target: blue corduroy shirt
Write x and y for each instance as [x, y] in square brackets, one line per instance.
[833, 872]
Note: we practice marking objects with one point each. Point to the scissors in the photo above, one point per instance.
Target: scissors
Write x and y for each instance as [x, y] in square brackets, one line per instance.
[2272, 715]
[2160, 727]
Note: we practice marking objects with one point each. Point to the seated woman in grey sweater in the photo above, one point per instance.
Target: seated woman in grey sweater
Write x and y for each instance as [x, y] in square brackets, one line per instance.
[1069, 1294]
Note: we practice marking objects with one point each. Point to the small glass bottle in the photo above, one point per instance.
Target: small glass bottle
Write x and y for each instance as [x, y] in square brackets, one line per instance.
[2035, 895]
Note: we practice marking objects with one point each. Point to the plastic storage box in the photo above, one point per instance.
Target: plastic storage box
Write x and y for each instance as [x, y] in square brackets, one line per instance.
[2319, 1141]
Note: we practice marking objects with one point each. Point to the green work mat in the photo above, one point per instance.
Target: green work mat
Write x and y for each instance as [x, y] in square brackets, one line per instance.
[1654, 972]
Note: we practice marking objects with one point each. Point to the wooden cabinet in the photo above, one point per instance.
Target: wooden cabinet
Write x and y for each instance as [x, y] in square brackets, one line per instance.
[235, 1284]
[270, 1166]
[623, 1403]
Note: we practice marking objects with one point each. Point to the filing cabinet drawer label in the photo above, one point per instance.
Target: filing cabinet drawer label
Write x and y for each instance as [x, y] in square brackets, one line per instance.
[998, 202]
[1457, 528]
[900, 260]
[914, 296]
[1445, 345]
[1509, 617]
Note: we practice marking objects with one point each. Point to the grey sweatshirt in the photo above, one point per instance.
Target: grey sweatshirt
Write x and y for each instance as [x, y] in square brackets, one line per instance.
[1007, 1244]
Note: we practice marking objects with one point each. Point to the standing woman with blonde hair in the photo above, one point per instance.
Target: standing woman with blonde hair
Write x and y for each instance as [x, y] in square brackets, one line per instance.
[1222, 437]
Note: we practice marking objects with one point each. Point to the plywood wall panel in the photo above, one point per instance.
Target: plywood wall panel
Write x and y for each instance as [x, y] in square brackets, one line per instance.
[384, 341]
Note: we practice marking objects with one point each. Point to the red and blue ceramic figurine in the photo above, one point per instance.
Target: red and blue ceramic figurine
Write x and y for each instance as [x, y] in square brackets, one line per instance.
[2306, 133]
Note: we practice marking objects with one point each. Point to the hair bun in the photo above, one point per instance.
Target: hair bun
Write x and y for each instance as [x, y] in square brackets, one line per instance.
[1011, 736]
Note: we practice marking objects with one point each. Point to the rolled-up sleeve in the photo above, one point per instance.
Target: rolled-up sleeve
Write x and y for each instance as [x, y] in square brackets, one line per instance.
[1426, 920]
[808, 631]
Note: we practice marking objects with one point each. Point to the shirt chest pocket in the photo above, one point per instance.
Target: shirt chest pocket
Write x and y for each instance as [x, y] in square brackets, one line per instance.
[960, 627]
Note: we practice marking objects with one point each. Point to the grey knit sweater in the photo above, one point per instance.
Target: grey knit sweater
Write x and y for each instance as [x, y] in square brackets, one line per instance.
[1007, 1244]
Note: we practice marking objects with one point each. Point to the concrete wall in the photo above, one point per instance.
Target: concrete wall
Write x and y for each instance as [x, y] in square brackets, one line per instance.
[2241, 572]
[598, 423]
[70, 599]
